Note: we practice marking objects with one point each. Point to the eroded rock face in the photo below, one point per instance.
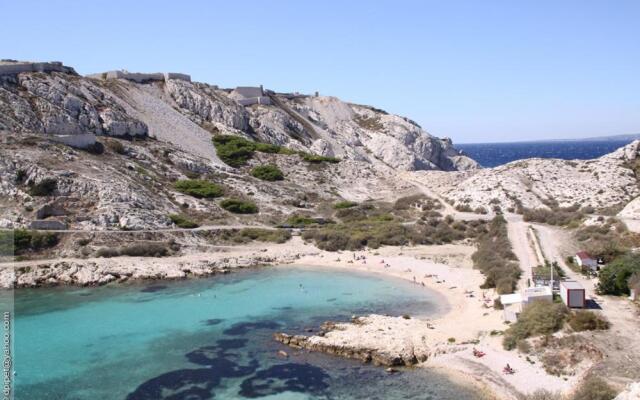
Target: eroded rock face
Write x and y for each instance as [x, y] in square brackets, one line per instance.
[62, 104]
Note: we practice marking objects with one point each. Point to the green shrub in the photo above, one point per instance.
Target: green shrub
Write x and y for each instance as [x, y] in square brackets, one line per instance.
[267, 148]
[316, 159]
[199, 188]
[495, 259]
[182, 222]
[542, 394]
[266, 235]
[463, 208]
[614, 277]
[237, 206]
[234, 150]
[20, 241]
[344, 204]
[116, 146]
[554, 215]
[608, 240]
[267, 172]
[135, 250]
[587, 321]
[537, 318]
[358, 235]
[45, 187]
[300, 221]
[594, 388]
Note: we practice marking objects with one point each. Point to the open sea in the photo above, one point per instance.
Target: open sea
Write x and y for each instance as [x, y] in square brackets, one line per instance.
[494, 154]
[211, 338]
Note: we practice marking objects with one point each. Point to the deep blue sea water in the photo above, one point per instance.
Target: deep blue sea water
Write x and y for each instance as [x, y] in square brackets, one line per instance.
[494, 154]
[211, 338]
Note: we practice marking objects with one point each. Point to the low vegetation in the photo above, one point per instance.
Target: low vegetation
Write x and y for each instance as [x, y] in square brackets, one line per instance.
[266, 235]
[199, 188]
[368, 225]
[116, 146]
[608, 240]
[555, 215]
[615, 276]
[594, 388]
[238, 206]
[267, 172]
[316, 159]
[234, 150]
[147, 249]
[20, 241]
[561, 355]
[544, 271]
[417, 201]
[301, 221]
[587, 321]
[45, 187]
[182, 221]
[495, 258]
[344, 204]
[538, 318]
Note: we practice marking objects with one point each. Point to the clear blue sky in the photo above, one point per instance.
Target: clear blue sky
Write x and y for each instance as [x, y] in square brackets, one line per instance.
[472, 70]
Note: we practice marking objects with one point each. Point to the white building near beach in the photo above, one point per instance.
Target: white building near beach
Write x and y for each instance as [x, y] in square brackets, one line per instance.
[512, 304]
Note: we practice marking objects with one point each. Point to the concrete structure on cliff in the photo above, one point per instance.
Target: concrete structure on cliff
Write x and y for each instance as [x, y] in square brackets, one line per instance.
[14, 67]
[248, 95]
[139, 77]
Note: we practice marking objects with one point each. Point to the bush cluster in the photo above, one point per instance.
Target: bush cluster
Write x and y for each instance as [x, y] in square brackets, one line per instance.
[594, 388]
[615, 276]
[608, 240]
[316, 159]
[238, 206]
[587, 321]
[495, 258]
[236, 150]
[45, 187]
[22, 240]
[266, 235]
[150, 249]
[267, 172]
[554, 215]
[199, 188]
[358, 235]
[182, 221]
[344, 204]
[537, 318]
[420, 201]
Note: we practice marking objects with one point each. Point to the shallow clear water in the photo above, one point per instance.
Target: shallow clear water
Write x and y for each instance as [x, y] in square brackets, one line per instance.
[210, 338]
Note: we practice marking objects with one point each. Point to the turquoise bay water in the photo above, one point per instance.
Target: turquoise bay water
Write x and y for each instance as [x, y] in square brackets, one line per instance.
[210, 338]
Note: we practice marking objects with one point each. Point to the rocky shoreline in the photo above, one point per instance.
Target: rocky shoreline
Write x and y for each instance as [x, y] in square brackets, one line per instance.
[329, 340]
[101, 271]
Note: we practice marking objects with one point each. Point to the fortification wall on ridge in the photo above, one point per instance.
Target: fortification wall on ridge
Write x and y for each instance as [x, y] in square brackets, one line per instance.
[18, 67]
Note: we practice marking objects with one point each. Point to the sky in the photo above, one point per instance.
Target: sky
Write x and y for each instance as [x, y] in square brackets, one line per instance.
[475, 71]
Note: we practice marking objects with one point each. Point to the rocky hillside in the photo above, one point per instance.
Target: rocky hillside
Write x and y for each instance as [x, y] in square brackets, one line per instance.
[187, 114]
[154, 134]
[607, 183]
